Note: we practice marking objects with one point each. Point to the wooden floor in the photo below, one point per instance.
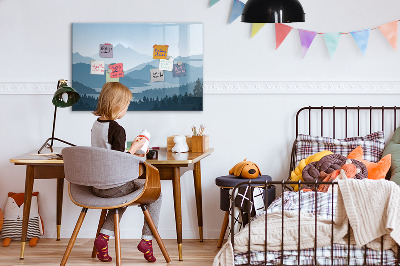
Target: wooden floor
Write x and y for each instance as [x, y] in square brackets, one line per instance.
[50, 252]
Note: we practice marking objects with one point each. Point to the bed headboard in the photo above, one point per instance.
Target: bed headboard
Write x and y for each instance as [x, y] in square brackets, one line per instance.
[345, 117]
[344, 121]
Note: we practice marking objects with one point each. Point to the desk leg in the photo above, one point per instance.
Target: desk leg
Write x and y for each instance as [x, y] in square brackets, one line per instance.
[27, 206]
[60, 190]
[199, 204]
[176, 182]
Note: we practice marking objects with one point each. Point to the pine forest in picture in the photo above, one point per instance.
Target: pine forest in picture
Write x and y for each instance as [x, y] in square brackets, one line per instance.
[161, 63]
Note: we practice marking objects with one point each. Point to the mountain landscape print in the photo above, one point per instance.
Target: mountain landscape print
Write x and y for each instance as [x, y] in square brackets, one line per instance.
[170, 80]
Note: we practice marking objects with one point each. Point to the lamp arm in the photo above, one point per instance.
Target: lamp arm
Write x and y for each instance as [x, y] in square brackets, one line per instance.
[46, 143]
[51, 140]
[54, 119]
[54, 126]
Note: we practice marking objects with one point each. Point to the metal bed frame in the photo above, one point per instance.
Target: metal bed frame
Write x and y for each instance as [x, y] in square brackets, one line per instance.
[284, 184]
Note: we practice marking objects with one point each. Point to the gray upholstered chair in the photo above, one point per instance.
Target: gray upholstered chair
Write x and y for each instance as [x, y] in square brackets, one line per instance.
[85, 167]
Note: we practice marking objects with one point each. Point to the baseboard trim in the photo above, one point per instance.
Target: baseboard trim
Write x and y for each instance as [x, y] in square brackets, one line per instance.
[243, 87]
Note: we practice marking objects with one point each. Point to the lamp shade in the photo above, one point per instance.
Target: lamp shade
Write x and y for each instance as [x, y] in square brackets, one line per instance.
[273, 11]
[65, 96]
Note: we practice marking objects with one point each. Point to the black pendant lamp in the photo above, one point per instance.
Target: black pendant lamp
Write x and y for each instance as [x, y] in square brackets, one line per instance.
[273, 11]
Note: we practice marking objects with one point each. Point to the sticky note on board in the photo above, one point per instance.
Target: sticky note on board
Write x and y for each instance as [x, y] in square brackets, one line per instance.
[109, 79]
[179, 70]
[166, 64]
[160, 51]
[97, 67]
[156, 75]
[117, 70]
[106, 50]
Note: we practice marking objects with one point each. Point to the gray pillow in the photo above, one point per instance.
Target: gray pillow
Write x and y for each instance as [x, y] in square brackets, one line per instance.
[393, 148]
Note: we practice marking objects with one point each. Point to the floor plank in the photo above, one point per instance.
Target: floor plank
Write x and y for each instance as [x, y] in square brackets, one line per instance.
[50, 252]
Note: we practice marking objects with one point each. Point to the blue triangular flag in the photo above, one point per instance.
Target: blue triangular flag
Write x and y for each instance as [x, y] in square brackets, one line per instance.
[213, 2]
[237, 9]
[361, 38]
[332, 41]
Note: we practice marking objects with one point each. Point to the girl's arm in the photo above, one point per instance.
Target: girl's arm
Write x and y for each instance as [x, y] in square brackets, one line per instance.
[136, 145]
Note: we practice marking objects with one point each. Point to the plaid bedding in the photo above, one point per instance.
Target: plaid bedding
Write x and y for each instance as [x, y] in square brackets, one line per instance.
[323, 207]
[324, 257]
[372, 145]
[306, 202]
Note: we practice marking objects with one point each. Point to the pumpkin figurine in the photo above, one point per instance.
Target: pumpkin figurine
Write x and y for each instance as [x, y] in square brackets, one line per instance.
[245, 169]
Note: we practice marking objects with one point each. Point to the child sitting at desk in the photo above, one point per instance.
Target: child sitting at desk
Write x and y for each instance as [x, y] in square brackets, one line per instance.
[106, 133]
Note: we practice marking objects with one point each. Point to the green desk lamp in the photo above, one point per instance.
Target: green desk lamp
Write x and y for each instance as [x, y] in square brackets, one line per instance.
[64, 97]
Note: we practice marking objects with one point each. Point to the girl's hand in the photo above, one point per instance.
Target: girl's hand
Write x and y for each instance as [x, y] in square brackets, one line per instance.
[143, 155]
[137, 144]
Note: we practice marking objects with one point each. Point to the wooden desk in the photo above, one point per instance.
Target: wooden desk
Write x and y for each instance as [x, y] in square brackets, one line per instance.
[171, 167]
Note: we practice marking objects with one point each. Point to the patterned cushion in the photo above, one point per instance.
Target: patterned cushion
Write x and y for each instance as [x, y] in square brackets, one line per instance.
[372, 144]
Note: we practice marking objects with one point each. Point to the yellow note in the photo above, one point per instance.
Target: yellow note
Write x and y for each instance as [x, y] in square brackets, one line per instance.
[160, 51]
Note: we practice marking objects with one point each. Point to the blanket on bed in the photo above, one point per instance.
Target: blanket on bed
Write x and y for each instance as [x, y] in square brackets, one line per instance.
[373, 209]
[371, 206]
[274, 235]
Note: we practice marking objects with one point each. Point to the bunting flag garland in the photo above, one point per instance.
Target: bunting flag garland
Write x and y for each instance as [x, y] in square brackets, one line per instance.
[281, 31]
[361, 38]
[237, 9]
[332, 41]
[213, 2]
[306, 39]
[256, 27]
[389, 30]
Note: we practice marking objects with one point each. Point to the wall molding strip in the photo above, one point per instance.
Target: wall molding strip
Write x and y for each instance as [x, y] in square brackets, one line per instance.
[246, 87]
[302, 87]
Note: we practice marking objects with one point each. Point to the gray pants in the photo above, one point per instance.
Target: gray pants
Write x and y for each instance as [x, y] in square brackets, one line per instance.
[154, 208]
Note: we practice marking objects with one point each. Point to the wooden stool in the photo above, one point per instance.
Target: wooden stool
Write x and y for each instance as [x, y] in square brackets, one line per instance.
[226, 183]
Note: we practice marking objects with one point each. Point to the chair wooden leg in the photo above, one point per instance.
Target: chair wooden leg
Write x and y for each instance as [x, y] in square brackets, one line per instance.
[73, 237]
[117, 238]
[223, 229]
[154, 230]
[101, 222]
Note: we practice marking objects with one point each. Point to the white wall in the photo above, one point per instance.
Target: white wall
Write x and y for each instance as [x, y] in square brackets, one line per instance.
[36, 47]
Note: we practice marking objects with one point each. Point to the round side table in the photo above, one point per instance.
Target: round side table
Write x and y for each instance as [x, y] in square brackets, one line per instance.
[228, 182]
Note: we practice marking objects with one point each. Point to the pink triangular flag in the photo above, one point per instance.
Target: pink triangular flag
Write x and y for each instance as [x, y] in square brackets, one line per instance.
[389, 30]
[281, 31]
[306, 39]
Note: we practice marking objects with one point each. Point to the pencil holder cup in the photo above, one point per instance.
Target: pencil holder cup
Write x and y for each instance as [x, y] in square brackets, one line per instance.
[200, 143]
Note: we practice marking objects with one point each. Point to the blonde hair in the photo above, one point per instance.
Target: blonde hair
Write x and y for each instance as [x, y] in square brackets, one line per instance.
[112, 99]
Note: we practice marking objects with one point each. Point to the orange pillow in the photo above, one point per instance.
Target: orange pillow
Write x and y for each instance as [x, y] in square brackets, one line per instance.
[375, 170]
